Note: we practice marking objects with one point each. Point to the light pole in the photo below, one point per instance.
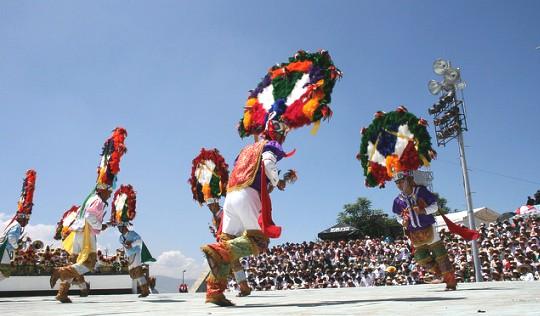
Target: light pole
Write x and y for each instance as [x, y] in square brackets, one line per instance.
[450, 122]
[183, 272]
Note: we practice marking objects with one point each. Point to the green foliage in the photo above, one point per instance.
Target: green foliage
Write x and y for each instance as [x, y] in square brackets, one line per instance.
[369, 221]
[442, 202]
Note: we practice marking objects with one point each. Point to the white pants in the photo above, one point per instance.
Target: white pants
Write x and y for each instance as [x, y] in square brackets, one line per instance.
[78, 242]
[134, 260]
[241, 211]
[78, 245]
[5, 257]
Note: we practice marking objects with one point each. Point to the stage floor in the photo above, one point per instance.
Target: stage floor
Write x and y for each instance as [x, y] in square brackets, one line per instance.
[489, 298]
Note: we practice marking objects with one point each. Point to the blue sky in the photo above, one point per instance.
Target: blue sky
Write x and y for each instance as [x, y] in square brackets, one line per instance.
[175, 74]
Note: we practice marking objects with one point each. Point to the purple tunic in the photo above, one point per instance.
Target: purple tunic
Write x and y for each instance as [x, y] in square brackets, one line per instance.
[277, 150]
[417, 221]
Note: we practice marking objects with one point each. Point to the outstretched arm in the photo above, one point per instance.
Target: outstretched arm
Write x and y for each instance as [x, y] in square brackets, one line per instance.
[269, 161]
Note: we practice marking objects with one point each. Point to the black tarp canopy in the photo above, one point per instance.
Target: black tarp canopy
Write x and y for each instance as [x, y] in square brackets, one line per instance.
[339, 232]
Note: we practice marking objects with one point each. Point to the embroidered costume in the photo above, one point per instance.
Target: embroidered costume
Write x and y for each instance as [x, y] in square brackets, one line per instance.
[244, 230]
[429, 250]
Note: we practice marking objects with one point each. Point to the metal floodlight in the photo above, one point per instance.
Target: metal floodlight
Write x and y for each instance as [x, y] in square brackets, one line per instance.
[461, 85]
[440, 66]
[434, 87]
[452, 113]
[436, 108]
[448, 98]
[452, 76]
[449, 132]
[443, 102]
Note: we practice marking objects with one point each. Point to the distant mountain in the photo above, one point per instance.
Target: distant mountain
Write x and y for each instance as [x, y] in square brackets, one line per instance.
[170, 285]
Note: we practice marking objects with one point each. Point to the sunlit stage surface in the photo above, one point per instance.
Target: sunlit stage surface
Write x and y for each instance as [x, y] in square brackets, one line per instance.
[489, 298]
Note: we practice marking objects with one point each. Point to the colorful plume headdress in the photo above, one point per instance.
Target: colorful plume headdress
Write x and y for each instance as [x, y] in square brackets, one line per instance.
[394, 142]
[63, 226]
[112, 152]
[209, 176]
[124, 205]
[26, 201]
[296, 93]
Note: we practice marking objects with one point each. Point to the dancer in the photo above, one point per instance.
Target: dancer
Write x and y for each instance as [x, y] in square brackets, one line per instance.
[63, 229]
[82, 241]
[247, 210]
[395, 145]
[123, 212]
[291, 95]
[415, 206]
[208, 182]
[10, 239]
[209, 176]
[89, 219]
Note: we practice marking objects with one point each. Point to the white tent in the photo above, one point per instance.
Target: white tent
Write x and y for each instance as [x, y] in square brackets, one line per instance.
[528, 210]
[481, 215]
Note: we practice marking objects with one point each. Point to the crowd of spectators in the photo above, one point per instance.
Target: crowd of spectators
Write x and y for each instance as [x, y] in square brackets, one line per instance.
[30, 259]
[508, 251]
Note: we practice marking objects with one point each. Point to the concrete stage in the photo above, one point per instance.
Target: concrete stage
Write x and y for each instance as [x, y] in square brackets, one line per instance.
[489, 298]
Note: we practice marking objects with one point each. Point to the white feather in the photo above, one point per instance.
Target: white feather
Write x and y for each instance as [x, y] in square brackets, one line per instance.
[298, 89]
[120, 202]
[374, 155]
[266, 97]
[204, 171]
[404, 136]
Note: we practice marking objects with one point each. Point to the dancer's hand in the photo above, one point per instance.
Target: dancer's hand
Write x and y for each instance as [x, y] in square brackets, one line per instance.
[104, 226]
[405, 216]
[419, 210]
[281, 185]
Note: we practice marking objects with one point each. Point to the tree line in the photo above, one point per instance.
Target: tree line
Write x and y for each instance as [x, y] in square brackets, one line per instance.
[375, 222]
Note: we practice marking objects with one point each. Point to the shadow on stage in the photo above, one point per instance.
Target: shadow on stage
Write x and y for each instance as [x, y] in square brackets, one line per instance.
[327, 303]
[82, 301]
[483, 289]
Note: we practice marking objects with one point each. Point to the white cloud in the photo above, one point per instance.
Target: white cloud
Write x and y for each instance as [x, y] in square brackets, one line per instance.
[42, 232]
[171, 264]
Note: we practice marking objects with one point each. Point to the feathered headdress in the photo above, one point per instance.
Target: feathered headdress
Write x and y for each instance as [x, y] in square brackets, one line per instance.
[112, 152]
[209, 176]
[123, 205]
[296, 93]
[26, 201]
[394, 142]
[63, 226]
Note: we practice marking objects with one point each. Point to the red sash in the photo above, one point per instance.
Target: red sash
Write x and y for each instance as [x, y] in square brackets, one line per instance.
[466, 233]
[265, 218]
